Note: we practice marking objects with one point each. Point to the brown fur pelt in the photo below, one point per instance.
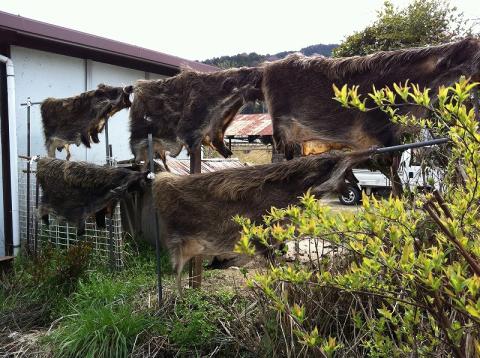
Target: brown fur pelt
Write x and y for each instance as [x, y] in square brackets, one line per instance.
[80, 119]
[196, 210]
[190, 109]
[298, 92]
[77, 190]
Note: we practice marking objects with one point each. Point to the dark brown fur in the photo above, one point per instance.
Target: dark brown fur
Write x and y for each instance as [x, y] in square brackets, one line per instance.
[298, 91]
[190, 109]
[197, 209]
[77, 190]
[80, 119]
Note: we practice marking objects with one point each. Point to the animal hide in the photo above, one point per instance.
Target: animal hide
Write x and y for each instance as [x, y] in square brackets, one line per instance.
[196, 210]
[80, 119]
[298, 92]
[77, 190]
[190, 109]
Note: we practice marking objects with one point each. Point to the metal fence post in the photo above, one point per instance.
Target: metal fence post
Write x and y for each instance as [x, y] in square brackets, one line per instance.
[157, 222]
[195, 267]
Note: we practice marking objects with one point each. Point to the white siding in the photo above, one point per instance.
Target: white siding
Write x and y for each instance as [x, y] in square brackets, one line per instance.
[39, 75]
[118, 126]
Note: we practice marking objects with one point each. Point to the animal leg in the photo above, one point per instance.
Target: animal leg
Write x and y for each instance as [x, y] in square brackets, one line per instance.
[67, 149]
[51, 150]
[163, 157]
[180, 263]
[220, 147]
[183, 254]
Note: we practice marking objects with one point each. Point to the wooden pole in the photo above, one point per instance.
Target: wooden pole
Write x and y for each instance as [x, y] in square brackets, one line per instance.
[195, 267]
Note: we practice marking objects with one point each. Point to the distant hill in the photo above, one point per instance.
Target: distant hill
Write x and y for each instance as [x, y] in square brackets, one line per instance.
[253, 58]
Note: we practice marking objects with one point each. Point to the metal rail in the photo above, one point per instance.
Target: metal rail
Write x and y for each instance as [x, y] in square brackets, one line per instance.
[396, 148]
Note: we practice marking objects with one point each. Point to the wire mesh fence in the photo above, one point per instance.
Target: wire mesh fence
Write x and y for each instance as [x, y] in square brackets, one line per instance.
[34, 233]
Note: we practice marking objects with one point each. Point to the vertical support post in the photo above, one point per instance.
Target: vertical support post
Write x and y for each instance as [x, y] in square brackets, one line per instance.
[29, 105]
[107, 145]
[111, 248]
[195, 267]
[35, 239]
[157, 224]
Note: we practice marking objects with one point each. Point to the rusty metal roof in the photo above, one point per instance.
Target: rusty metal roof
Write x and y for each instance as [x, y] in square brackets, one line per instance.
[182, 166]
[250, 124]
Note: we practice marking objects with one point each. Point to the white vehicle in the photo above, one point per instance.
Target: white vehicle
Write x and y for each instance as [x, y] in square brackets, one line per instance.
[371, 182]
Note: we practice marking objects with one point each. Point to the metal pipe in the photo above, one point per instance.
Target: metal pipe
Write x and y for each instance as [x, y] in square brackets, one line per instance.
[111, 247]
[35, 238]
[28, 173]
[12, 135]
[157, 225]
[107, 146]
[400, 147]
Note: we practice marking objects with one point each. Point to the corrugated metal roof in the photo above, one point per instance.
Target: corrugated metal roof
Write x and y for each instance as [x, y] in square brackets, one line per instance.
[250, 124]
[182, 166]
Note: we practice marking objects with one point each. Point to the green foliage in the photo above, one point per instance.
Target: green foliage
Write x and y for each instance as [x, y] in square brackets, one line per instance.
[421, 23]
[412, 269]
[254, 59]
[100, 331]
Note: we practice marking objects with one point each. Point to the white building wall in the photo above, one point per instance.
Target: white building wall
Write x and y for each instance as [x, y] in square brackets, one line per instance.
[39, 75]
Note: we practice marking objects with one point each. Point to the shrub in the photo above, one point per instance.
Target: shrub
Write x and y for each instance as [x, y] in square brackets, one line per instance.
[403, 277]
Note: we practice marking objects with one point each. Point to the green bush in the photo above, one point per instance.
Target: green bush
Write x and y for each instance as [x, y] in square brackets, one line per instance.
[403, 277]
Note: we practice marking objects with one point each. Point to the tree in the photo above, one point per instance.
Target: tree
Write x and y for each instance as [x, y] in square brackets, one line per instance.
[422, 23]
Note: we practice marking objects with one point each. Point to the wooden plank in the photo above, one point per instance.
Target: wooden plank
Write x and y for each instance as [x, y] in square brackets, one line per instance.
[195, 267]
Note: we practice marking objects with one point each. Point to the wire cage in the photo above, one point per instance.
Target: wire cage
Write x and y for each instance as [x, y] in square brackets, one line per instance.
[34, 233]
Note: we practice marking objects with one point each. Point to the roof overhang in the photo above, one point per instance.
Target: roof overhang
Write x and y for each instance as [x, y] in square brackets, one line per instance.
[21, 31]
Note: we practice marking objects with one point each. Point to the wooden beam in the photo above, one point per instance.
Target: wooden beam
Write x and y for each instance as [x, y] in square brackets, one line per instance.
[195, 267]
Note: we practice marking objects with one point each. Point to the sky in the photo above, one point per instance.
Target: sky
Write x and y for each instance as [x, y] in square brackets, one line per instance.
[197, 30]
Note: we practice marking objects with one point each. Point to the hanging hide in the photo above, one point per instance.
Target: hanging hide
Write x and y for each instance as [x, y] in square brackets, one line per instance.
[77, 190]
[299, 95]
[190, 109]
[79, 119]
[197, 210]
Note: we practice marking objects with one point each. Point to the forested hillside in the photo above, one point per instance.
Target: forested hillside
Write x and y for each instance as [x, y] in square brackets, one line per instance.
[253, 58]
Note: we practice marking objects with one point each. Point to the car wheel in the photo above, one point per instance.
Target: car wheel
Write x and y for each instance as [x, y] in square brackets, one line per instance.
[351, 196]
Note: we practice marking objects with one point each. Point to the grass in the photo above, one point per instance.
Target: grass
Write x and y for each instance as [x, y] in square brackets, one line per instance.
[80, 308]
[100, 331]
